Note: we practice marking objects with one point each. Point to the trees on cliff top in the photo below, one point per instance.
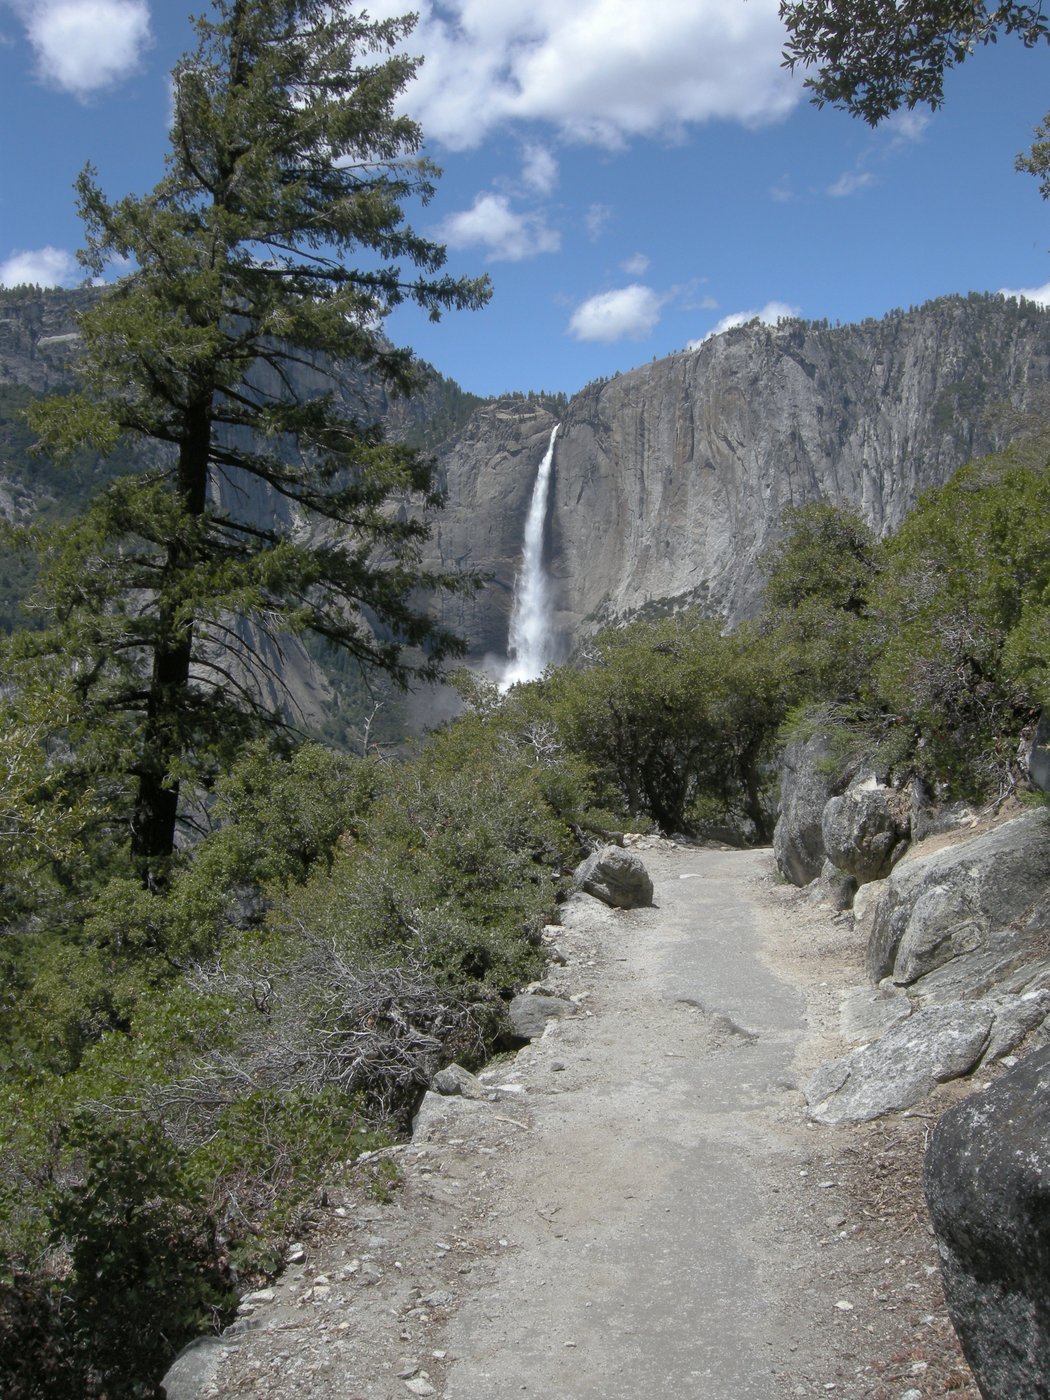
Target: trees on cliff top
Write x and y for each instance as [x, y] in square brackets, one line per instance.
[267, 255]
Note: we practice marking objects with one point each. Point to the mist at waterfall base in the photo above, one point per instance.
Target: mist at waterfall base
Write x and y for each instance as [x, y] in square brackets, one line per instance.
[530, 640]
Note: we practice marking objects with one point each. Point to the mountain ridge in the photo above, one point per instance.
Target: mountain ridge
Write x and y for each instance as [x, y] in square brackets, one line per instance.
[669, 480]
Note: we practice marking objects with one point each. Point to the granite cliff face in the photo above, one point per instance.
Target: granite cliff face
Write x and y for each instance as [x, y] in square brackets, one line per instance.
[670, 481]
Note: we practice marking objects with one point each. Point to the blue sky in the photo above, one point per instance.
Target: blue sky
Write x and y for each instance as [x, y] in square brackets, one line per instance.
[629, 176]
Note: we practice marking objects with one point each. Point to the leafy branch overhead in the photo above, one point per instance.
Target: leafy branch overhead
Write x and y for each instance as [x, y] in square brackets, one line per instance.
[262, 263]
[874, 57]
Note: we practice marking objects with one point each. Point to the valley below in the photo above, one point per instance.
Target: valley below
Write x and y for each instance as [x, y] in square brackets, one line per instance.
[635, 1204]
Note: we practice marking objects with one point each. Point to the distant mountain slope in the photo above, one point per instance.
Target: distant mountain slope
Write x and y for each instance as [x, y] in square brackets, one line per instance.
[670, 480]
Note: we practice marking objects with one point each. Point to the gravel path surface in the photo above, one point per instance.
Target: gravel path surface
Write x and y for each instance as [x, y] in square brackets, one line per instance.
[639, 1208]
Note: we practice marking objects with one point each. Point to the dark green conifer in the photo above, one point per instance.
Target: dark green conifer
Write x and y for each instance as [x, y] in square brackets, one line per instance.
[262, 266]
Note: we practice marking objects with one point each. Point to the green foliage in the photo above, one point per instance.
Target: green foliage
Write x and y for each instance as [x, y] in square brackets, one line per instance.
[933, 648]
[966, 603]
[821, 581]
[455, 871]
[676, 719]
[875, 58]
[139, 1256]
[347, 926]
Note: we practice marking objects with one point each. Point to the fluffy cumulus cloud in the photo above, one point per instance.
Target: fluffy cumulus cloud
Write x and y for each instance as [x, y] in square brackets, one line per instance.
[85, 45]
[45, 267]
[770, 315]
[602, 71]
[628, 313]
[507, 234]
[1040, 295]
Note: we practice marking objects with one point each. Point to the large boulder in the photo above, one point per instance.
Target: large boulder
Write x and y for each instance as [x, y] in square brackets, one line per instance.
[616, 877]
[865, 831]
[955, 901]
[808, 777]
[987, 1181]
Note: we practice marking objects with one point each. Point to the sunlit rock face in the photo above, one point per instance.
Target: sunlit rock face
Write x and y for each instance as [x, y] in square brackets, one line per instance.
[670, 481]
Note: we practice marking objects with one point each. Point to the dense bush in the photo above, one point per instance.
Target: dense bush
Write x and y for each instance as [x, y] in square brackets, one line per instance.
[676, 720]
[346, 928]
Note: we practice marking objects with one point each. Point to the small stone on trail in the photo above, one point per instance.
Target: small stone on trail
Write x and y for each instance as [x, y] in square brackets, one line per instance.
[419, 1386]
[557, 1067]
[843, 1306]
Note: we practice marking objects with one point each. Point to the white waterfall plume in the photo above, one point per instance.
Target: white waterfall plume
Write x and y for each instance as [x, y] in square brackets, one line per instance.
[529, 645]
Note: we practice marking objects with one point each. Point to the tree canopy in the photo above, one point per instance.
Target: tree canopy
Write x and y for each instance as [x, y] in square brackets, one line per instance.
[874, 57]
[262, 266]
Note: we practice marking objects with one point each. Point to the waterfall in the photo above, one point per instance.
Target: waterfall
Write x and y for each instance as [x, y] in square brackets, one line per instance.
[529, 643]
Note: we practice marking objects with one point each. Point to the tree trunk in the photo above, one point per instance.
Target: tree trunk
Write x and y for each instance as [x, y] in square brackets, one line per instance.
[157, 802]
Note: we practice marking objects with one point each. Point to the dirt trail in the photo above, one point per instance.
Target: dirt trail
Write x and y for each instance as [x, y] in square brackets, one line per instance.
[646, 1239]
[642, 1210]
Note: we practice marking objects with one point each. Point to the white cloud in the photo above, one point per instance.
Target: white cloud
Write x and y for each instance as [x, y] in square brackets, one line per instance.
[781, 192]
[906, 127]
[539, 171]
[1041, 295]
[770, 314]
[85, 45]
[635, 265]
[602, 71]
[851, 183]
[598, 215]
[629, 313]
[508, 235]
[46, 267]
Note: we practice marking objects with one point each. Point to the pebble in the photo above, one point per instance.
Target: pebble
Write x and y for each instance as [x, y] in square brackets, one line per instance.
[843, 1306]
[295, 1254]
[418, 1385]
[557, 1066]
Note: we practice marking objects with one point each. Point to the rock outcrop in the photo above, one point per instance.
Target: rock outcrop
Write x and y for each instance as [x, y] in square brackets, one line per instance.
[807, 780]
[983, 903]
[987, 1182]
[669, 481]
[529, 1013]
[924, 1049]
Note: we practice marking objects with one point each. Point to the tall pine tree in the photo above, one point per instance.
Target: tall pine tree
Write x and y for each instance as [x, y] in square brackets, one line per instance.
[262, 264]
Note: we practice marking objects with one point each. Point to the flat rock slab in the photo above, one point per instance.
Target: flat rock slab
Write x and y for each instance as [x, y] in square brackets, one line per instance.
[897, 1071]
[869, 1012]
